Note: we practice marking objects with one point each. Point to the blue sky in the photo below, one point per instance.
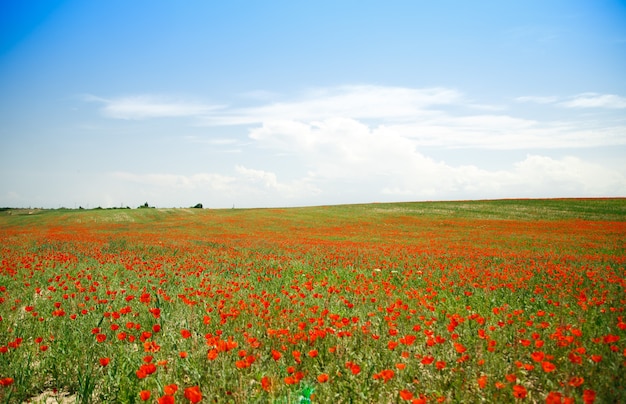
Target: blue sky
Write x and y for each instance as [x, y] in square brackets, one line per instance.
[291, 103]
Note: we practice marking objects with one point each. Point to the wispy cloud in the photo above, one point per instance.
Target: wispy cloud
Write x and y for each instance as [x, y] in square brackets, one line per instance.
[594, 100]
[177, 181]
[427, 117]
[262, 187]
[150, 106]
[585, 100]
[358, 102]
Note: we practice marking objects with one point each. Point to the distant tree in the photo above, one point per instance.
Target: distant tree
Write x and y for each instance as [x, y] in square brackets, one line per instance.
[198, 206]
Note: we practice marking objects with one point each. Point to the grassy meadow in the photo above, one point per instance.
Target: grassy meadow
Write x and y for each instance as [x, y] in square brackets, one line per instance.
[471, 301]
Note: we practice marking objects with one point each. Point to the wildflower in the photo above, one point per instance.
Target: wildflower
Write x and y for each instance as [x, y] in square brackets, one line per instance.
[427, 360]
[104, 361]
[322, 378]
[406, 395]
[185, 333]
[519, 391]
[266, 384]
[482, 381]
[386, 375]
[548, 366]
[576, 381]
[170, 389]
[460, 348]
[101, 337]
[354, 368]
[440, 365]
[144, 395]
[151, 346]
[212, 354]
[166, 400]
[589, 396]
[575, 359]
[537, 356]
[554, 397]
[6, 381]
[276, 355]
[193, 394]
[145, 370]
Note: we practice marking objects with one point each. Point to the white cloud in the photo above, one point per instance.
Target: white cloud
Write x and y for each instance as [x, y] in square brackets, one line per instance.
[358, 102]
[150, 106]
[389, 163]
[594, 100]
[430, 117]
[585, 100]
[177, 181]
[366, 143]
[249, 186]
[425, 117]
[265, 181]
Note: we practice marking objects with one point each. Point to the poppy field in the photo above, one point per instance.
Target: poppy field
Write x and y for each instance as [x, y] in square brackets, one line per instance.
[484, 301]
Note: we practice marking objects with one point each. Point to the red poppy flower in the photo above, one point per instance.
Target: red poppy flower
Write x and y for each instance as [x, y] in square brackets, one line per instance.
[537, 356]
[266, 383]
[406, 395]
[193, 394]
[427, 360]
[460, 348]
[576, 381]
[323, 378]
[212, 354]
[554, 397]
[354, 368]
[519, 391]
[276, 355]
[166, 400]
[589, 396]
